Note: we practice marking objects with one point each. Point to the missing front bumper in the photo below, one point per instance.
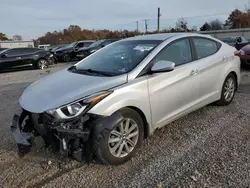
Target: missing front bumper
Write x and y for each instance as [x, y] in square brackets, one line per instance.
[78, 138]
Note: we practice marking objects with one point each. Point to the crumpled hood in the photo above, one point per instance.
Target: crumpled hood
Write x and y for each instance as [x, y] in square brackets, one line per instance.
[63, 87]
[64, 49]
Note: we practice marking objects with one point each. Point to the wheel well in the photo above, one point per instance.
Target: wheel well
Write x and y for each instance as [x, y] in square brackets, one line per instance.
[40, 58]
[145, 123]
[236, 78]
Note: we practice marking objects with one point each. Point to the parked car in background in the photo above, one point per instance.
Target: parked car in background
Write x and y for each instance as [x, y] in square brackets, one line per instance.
[25, 57]
[244, 54]
[106, 104]
[86, 51]
[236, 41]
[43, 46]
[67, 53]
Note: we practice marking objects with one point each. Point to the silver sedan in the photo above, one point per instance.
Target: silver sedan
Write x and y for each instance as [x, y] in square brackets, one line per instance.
[106, 104]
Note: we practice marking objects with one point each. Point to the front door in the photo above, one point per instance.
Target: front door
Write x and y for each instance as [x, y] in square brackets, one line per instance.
[174, 93]
[11, 59]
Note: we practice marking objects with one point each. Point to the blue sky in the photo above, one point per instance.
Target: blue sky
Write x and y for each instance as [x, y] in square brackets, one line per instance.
[33, 18]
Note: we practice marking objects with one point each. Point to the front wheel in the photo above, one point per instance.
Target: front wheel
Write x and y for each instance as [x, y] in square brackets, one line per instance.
[66, 58]
[123, 140]
[228, 90]
[42, 64]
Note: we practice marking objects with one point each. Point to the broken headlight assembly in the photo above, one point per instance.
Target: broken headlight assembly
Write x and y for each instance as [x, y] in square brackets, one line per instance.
[78, 107]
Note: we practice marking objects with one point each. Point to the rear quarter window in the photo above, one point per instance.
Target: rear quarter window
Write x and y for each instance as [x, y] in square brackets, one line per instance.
[205, 47]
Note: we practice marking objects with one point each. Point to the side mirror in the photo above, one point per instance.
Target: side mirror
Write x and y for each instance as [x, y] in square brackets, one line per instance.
[3, 55]
[163, 66]
[239, 40]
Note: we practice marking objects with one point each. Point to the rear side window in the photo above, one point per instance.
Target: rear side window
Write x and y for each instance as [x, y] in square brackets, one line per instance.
[205, 47]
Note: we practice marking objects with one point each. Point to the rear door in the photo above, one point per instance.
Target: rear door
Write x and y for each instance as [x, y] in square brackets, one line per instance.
[211, 62]
[27, 56]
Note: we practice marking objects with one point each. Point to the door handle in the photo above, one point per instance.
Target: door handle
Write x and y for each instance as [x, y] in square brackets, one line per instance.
[18, 57]
[194, 72]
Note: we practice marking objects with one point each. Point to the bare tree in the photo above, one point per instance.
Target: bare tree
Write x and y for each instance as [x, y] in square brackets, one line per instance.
[181, 24]
[216, 25]
[17, 37]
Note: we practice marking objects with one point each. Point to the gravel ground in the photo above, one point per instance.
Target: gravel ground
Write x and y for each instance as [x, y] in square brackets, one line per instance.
[207, 148]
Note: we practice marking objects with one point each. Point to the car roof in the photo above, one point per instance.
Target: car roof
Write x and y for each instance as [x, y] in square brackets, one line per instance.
[164, 36]
[87, 41]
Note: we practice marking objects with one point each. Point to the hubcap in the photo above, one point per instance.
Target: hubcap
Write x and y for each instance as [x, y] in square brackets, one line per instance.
[123, 139]
[66, 58]
[42, 64]
[229, 89]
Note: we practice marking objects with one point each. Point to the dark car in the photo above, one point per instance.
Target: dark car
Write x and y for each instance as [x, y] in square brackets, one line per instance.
[86, 51]
[25, 57]
[236, 41]
[244, 54]
[58, 46]
[68, 52]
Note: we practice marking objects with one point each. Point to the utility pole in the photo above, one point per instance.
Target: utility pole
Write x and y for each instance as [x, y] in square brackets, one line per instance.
[158, 19]
[137, 26]
[146, 26]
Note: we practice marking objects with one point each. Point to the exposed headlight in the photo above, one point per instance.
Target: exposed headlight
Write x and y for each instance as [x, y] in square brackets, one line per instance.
[78, 107]
[51, 55]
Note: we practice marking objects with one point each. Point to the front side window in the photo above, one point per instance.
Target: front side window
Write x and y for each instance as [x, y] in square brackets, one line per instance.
[80, 45]
[205, 47]
[178, 52]
[13, 52]
[119, 58]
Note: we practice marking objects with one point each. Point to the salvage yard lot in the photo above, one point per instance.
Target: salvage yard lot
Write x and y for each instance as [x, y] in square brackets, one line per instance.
[207, 148]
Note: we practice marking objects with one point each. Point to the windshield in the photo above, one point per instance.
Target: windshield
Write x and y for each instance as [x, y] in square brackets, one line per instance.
[71, 45]
[119, 58]
[95, 44]
[2, 52]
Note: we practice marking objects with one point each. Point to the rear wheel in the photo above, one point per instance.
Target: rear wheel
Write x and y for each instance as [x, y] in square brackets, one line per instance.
[42, 64]
[66, 58]
[121, 143]
[228, 90]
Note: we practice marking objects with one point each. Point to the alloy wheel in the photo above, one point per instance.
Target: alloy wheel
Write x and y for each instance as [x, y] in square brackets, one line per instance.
[229, 89]
[42, 64]
[123, 138]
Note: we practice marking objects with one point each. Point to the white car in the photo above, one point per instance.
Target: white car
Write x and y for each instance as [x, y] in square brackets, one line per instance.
[106, 104]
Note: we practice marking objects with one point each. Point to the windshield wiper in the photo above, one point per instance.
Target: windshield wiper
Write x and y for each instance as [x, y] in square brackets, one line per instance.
[91, 71]
[98, 72]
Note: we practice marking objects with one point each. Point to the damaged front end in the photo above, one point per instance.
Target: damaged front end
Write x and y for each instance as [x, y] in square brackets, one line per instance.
[77, 137]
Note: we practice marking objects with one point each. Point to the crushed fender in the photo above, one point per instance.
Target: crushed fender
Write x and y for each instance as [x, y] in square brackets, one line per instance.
[77, 138]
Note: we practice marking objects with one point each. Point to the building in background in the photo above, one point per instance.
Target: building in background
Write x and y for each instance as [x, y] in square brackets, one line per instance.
[16, 44]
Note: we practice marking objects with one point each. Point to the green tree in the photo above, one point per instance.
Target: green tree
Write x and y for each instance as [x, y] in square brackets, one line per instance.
[3, 36]
[205, 27]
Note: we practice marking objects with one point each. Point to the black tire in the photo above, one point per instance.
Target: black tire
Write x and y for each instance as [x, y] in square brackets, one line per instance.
[66, 58]
[103, 153]
[223, 101]
[42, 64]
